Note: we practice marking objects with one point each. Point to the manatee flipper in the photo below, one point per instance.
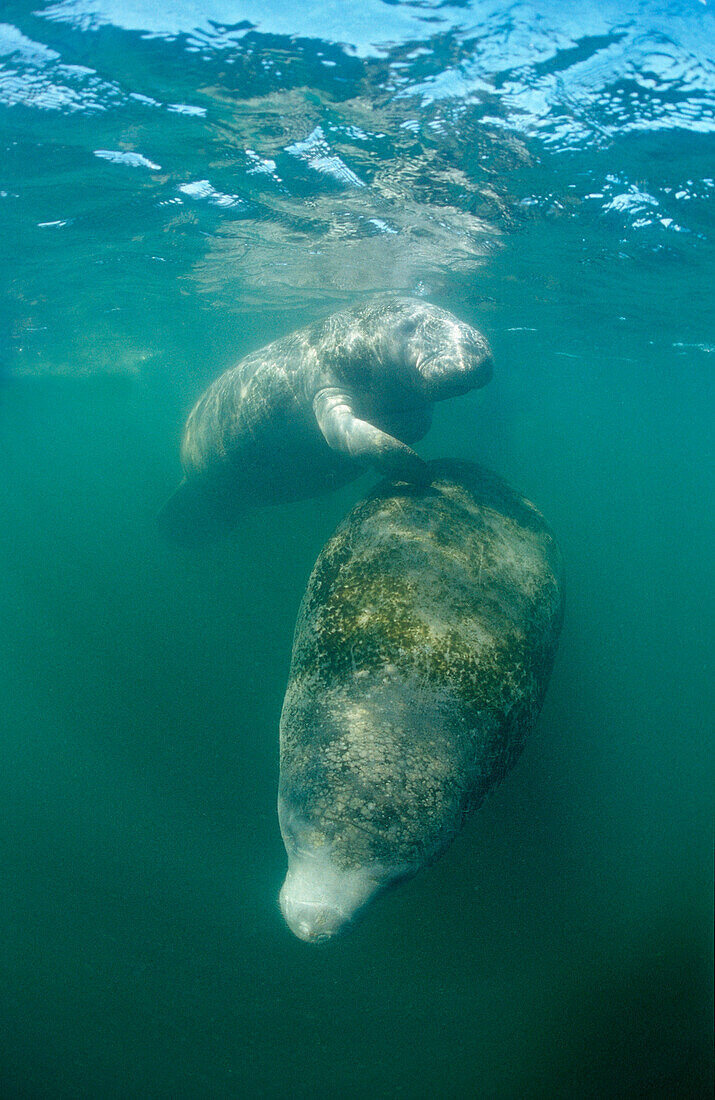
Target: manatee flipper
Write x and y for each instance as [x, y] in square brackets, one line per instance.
[346, 432]
[200, 511]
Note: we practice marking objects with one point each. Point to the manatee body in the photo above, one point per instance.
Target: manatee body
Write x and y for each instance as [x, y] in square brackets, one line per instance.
[422, 652]
[308, 412]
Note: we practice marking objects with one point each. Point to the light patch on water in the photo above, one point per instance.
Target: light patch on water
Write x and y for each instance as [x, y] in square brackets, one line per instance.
[632, 199]
[133, 160]
[367, 29]
[564, 75]
[148, 100]
[709, 349]
[261, 166]
[203, 190]
[355, 133]
[315, 151]
[186, 109]
[382, 226]
[15, 44]
[40, 80]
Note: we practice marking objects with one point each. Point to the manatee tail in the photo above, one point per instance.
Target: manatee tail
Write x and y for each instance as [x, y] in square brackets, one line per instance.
[199, 512]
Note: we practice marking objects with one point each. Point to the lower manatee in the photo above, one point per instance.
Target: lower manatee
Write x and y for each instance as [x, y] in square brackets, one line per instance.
[422, 653]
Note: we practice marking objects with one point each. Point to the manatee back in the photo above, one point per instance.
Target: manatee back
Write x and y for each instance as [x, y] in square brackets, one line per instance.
[450, 595]
[251, 439]
[246, 410]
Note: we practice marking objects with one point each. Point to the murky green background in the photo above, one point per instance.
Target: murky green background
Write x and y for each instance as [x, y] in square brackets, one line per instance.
[522, 168]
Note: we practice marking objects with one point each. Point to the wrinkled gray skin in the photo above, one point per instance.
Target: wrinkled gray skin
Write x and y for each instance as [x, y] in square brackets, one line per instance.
[308, 412]
[422, 652]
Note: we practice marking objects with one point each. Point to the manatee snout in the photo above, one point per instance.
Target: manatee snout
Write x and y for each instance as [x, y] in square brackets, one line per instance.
[309, 919]
[319, 897]
[475, 358]
[461, 361]
[318, 901]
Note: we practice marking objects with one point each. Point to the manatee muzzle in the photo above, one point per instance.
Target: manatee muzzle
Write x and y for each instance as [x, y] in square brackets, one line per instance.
[318, 900]
[458, 364]
[322, 894]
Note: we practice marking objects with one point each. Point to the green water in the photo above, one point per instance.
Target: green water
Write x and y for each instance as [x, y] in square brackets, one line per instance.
[562, 946]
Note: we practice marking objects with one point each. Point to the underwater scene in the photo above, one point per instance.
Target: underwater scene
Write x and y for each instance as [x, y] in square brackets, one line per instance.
[356, 518]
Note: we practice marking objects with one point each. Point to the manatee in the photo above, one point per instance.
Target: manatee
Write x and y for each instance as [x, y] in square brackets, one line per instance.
[422, 652]
[307, 413]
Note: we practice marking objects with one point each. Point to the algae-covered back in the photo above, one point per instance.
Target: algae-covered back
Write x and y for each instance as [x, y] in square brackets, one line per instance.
[459, 581]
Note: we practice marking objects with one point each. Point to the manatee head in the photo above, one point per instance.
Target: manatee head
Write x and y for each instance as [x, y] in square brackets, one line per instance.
[371, 790]
[319, 898]
[323, 894]
[441, 356]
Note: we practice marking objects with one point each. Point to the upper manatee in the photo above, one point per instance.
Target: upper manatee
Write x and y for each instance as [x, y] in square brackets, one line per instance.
[422, 652]
[305, 413]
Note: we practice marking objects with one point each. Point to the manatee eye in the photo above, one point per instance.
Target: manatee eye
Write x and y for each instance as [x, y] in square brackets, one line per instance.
[408, 326]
